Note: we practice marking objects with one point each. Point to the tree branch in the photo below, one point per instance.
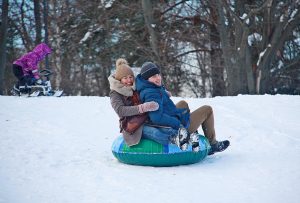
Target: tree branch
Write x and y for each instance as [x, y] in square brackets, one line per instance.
[266, 4]
[27, 40]
[294, 62]
[173, 6]
[191, 51]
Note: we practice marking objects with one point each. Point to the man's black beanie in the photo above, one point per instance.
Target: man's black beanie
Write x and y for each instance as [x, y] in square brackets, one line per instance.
[148, 70]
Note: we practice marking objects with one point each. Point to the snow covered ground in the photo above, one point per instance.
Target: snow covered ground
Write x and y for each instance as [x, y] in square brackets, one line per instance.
[58, 150]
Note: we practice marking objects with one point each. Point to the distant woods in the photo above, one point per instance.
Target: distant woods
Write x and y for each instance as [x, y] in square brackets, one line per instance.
[204, 48]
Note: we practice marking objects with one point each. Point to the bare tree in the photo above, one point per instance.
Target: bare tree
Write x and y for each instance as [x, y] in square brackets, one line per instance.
[45, 14]
[24, 26]
[217, 63]
[205, 48]
[151, 24]
[241, 25]
[38, 22]
[3, 39]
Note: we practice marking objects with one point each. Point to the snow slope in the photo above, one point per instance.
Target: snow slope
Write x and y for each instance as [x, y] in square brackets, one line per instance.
[59, 150]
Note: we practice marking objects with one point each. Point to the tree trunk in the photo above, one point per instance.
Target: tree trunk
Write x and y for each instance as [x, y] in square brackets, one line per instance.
[281, 32]
[231, 66]
[45, 12]
[24, 33]
[57, 54]
[236, 52]
[38, 22]
[4, 19]
[249, 71]
[217, 68]
[150, 23]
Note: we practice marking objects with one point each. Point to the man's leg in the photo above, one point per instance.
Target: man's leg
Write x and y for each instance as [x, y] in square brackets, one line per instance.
[203, 116]
[182, 104]
[160, 135]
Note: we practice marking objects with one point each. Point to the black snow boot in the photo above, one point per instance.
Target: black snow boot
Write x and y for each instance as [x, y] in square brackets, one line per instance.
[219, 147]
[194, 141]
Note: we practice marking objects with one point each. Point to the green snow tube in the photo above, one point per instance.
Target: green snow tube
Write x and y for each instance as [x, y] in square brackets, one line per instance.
[150, 153]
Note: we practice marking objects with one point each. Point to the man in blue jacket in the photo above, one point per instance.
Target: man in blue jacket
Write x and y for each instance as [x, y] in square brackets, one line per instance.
[177, 120]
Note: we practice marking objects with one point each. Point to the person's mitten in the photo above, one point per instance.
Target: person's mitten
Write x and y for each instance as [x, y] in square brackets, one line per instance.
[148, 106]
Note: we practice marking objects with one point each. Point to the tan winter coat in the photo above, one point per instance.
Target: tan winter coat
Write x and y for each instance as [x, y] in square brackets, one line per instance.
[121, 102]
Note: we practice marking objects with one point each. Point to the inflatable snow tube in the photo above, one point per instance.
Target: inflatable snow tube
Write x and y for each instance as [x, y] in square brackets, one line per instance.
[150, 153]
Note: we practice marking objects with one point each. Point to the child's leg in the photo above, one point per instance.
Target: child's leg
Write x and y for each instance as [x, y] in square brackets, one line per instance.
[203, 116]
[23, 80]
[18, 72]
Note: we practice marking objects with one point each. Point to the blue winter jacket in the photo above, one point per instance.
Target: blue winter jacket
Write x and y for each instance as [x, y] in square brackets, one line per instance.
[167, 114]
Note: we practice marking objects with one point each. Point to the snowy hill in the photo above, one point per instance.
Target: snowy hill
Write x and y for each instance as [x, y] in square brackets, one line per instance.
[58, 150]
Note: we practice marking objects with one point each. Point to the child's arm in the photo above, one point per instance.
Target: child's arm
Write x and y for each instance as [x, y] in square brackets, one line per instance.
[32, 64]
